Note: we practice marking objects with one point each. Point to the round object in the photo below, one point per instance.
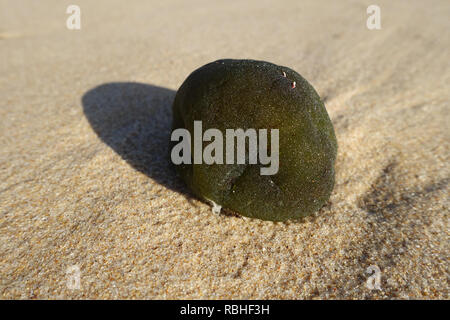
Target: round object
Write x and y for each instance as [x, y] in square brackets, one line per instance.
[249, 94]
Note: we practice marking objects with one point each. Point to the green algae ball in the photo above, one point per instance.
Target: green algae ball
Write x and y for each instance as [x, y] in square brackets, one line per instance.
[249, 94]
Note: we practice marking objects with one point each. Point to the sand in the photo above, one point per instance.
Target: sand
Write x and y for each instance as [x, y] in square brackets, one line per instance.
[85, 180]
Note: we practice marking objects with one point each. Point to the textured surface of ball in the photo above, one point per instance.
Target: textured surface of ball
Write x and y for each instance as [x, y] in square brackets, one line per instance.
[231, 94]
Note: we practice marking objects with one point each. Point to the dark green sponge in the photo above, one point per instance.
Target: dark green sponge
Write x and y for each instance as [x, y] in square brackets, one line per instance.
[231, 94]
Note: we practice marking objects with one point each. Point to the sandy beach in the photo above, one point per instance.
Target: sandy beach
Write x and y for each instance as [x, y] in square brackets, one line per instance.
[86, 183]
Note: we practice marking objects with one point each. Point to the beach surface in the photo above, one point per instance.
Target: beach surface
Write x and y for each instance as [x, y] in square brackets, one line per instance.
[88, 193]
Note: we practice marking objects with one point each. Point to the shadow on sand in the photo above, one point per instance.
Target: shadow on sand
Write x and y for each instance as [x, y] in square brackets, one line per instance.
[135, 120]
